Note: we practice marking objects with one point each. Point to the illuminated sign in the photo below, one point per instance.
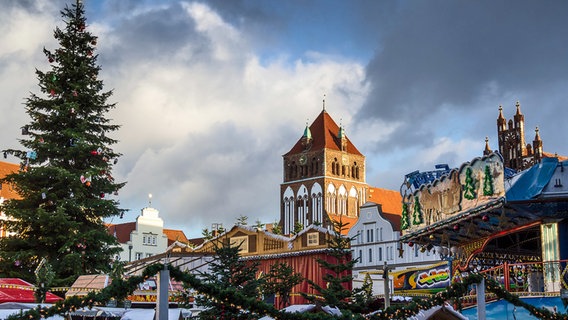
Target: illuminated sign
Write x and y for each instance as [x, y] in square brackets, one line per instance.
[428, 279]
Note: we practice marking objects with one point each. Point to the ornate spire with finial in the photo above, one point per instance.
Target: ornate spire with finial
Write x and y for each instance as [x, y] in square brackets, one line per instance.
[518, 105]
[307, 137]
[537, 135]
[324, 102]
[487, 150]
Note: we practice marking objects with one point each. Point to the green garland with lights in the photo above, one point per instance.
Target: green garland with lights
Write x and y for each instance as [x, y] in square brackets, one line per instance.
[119, 289]
[458, 290]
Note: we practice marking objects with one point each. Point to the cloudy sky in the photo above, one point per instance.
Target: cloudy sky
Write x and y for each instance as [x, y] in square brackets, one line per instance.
[211, 94]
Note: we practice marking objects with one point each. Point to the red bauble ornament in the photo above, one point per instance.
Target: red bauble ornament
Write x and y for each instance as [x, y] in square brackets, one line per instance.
[94, 152]
[456, 227]
[50, 60]
[52, 92]
[88, 183]
[102, 195]
[485, 218]
[410, 244]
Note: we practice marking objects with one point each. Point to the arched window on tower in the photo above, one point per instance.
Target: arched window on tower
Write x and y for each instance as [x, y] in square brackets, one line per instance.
[302, 204]
[288, 203]
[330, 198]
[317, 210]
[352, 203]
[335, 167]
[342, 200]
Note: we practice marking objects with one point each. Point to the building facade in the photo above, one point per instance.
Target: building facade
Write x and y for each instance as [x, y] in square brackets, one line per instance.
[144, 238]
[323, 178]
[376, 244]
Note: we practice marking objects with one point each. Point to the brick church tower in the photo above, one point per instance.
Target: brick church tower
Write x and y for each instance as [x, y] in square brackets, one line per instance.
[324, 178]
[516, 153]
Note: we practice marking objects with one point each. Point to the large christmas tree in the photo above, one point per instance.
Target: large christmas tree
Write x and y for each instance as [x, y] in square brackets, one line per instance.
[65, 178]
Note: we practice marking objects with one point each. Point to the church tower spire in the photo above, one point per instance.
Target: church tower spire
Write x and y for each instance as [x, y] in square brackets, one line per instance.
[324, 178]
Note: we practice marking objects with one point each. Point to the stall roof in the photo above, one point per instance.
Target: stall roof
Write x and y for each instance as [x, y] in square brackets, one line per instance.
[18, 290]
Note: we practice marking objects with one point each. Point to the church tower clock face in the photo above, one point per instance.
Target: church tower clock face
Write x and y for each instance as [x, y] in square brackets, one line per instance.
[324, 178]
[303, 159]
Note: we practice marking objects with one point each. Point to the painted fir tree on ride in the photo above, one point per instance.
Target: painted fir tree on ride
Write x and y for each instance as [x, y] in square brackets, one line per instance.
[65, 181]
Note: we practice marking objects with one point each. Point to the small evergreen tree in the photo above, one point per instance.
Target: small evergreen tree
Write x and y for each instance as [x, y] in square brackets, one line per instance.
[281, 279]
[66, 167]
[276, 228]
[339, 273]
[228, 272]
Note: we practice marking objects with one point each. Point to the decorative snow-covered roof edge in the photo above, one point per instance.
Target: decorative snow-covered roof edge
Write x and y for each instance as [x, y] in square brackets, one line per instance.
[313, 227]
[176, 244]
[285, 254]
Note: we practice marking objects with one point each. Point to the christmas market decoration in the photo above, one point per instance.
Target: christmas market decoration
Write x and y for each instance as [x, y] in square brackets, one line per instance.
[417, 214]
[487, 182]
[404, 219]
[59, 186]
[469, 187]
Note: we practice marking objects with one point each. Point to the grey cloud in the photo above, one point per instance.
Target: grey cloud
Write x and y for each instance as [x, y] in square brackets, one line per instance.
[440, 53]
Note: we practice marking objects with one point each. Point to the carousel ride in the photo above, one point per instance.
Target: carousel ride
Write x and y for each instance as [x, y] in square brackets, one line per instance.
[482, 217]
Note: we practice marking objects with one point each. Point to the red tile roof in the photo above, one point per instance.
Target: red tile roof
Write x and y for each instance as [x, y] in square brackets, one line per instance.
[175, 235]
[121, 231]
[324, 134]
[6, 191]
[391, 204]
[390, 200]
[348, 221]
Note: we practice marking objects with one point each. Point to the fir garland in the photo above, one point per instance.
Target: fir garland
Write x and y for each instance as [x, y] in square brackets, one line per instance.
[119, 289]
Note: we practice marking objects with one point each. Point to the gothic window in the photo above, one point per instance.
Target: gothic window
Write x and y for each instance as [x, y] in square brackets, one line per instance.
[330, 198]
[288, 202]
[342, 200]
[302, 202]
[317, 210]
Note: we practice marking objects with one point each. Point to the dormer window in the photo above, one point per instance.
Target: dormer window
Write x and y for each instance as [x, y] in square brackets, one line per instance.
[313, 239]
[241, 242]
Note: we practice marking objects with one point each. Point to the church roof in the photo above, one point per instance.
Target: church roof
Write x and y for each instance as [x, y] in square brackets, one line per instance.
[6, 191]
[324, 133]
